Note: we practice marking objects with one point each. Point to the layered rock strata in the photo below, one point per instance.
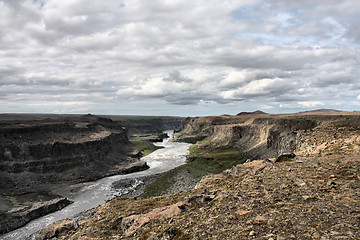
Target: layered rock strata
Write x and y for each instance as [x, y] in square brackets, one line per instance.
[266, 136]
[71, 150]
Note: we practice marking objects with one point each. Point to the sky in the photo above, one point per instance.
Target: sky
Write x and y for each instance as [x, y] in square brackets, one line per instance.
[178, 57]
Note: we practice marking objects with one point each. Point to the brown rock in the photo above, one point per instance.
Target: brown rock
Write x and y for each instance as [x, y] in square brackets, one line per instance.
[242, 212]
[300, 182]
[261, 219]
[57, 229]
[132, 223]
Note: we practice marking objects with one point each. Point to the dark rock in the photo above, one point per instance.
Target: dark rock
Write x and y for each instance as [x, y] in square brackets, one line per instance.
[18, 217]
[34, 154]
[135, 167]
[135, 154]
[285, 157]
[163, 135]
[155, 139]
[331, 183]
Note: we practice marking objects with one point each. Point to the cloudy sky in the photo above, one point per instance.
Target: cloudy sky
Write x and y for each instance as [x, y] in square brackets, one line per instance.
[179, 57]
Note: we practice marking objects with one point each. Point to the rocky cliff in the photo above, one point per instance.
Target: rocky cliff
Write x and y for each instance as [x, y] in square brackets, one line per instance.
[67, 150]
[149, 127]
[267, 136]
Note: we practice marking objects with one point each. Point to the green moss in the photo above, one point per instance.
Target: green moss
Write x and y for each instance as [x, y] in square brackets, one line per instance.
[202, 124]
[160, 184]
[145, 147]
[203, 161]
[18, 202]
[219, 158]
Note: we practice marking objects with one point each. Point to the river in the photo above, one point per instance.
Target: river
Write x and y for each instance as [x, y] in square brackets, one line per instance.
[92, 194]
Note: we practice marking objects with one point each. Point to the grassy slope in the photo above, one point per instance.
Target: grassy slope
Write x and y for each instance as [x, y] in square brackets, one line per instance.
[145, 147]
[202, 162]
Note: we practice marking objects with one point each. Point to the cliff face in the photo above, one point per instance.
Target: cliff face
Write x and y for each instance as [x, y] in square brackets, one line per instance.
[67, 150]
[266, 136]
[141, 126]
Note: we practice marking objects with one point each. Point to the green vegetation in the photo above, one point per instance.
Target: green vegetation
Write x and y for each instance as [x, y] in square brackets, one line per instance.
[202, 124]
[214, 159]
[201, 161]
[145, 147]
[17, 202]
[161, 184]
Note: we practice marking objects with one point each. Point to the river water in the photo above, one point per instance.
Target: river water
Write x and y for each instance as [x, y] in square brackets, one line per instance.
[92, 194]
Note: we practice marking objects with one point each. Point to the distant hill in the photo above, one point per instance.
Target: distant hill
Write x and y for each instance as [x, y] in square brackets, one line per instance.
[247, 113]
[322, 111]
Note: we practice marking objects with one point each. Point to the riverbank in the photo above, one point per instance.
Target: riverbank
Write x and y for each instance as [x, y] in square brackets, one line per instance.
[89, 195]
[20, 206]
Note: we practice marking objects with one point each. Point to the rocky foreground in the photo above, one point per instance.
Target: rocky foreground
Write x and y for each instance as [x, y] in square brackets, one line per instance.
[303, 198]
[313, 195]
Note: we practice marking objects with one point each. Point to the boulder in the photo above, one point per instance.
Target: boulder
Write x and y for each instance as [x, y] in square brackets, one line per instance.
[135, 167]
[132, 223]
[285, 157]
[55, 230]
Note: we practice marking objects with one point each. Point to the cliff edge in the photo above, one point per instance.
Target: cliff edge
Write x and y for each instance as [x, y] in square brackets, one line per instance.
[38, 153]
[264, 136]
[313, 195]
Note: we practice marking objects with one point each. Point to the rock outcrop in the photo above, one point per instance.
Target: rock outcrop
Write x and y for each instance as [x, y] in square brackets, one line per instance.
[58, 229]
[268, 136]
[34, 154]
[18, 217]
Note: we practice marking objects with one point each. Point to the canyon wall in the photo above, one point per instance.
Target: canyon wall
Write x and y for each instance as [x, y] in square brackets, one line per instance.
[148, 125]
[268, 136]
[39, 153]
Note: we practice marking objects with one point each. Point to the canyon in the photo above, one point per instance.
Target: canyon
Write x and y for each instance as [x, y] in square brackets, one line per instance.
[41, 153]
[264, 136]
[300, 179]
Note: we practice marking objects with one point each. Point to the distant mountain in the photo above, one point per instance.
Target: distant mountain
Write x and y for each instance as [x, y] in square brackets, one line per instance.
[322, 111]
[247, 113]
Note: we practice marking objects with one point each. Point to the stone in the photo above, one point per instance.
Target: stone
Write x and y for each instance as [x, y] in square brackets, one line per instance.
[252, 233]
[261, 219]
[135, 167]
[242, 212]
[18, 217]
[57, 229]
[331, 183]
[299, 182]
[285, 157]
[132, 223]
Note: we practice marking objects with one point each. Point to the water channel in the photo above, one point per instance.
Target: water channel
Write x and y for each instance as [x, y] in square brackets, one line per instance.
[92, 194]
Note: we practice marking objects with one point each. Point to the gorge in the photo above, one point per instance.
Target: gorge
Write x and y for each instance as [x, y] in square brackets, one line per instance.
[40, 153]
[300, 181]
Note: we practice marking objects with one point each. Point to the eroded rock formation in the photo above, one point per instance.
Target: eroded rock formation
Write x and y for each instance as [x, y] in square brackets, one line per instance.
[266, 136]
[67, 150]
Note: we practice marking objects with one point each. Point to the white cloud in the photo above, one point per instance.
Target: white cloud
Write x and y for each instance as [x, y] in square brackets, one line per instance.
[310, 104]
[213, 54]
